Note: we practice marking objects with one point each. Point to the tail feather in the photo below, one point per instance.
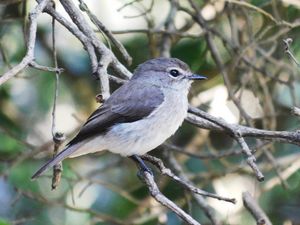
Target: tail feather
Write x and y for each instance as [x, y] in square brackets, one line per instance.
[58, 158]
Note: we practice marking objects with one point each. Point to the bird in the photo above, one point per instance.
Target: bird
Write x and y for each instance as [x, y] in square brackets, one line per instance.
[137, 117]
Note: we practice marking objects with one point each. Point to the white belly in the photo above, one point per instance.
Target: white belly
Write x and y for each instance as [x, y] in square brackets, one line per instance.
[144, 135]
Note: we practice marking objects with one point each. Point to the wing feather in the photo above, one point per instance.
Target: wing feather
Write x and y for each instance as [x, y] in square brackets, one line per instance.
[129, 103]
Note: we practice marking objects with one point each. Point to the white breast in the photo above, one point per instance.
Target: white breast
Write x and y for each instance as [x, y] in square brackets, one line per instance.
[144, 135]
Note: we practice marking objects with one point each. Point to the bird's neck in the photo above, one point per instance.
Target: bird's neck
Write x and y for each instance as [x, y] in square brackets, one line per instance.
[179, 88]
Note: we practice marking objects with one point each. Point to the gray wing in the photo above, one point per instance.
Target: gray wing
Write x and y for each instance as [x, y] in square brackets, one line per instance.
[129, 103]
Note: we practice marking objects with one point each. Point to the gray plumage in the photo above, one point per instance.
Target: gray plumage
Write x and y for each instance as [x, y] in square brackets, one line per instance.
[121, 107]
[138, 116]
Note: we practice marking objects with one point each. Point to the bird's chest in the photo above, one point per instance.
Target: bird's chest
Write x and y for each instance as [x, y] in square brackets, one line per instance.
[159, 125]
[167, 118]
[146, 134]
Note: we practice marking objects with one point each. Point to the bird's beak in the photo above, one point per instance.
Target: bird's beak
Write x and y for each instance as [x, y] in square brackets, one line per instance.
[196, 77]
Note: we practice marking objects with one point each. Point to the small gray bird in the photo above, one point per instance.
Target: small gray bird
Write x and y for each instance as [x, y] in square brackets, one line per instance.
[137, 117]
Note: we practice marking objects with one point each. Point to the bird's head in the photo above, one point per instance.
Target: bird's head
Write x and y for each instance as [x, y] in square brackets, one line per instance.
[166, 72]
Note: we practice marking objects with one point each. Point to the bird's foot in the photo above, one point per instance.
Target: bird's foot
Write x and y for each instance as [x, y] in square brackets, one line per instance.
[141, 165]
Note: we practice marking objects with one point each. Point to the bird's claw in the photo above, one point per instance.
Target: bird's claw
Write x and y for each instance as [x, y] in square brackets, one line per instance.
[143, 168]
[141, 173]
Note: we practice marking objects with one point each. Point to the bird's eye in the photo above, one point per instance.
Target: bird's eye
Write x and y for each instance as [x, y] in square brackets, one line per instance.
[174, 73]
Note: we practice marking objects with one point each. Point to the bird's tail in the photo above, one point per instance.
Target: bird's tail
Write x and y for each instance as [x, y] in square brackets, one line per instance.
[55, 160]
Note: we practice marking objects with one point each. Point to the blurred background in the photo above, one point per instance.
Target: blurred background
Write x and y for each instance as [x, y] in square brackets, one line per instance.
[103, 188]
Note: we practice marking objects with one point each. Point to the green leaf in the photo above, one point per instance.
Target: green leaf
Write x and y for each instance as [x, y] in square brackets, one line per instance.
[4, 222]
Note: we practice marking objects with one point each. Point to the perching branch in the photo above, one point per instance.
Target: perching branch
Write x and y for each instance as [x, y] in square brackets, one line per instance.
[155, 193]
[206, 121]
[166, 171]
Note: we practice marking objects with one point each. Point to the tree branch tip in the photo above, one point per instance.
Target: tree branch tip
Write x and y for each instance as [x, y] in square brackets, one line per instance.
[233, 200]
[261, 178]
[82, 6]
[99, 98]
[57, 170]
[288, 41]
[59, 137]
[60, 70]
[295, 111]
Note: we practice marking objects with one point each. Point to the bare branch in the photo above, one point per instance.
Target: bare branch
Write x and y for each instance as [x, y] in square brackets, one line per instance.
[29, 57]
[250, 158]
[287, 43]
[209, 212]
[217, 58]
[107, 32]
[105, 54]
[57, 137]
[45, 68]
[156, 31]
[259, 10]
[239, 138]
[259, 215]
[155, 193]
[166, 42]
[166, 171]
[102, 216]
[77, 33]
[295, 111]
[206, 121]
[218, 155]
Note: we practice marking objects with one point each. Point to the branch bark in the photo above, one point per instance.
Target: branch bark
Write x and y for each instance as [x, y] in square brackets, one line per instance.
[29, 57]
[252, 206]
[155, 193]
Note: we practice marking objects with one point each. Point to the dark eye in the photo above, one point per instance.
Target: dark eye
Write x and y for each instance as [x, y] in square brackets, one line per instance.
[174, 73]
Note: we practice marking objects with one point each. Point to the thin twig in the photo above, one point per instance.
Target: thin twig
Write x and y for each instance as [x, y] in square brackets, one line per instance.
[237, 134]
[106, 56]
[127, 4]
[250, 157]
[158, 196]
[57, 137]
[107, 32]
[287, 49]
[56, 70]
[156, 31]
[177, 168]
[259, 10]
[166, 42]
[143, 13]
[29, 57]
[166, 171]
[104, 217]
[206, 121]
[218, 60]
[259, 215]
[78, 34]
[218, 155]
[295, 111]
